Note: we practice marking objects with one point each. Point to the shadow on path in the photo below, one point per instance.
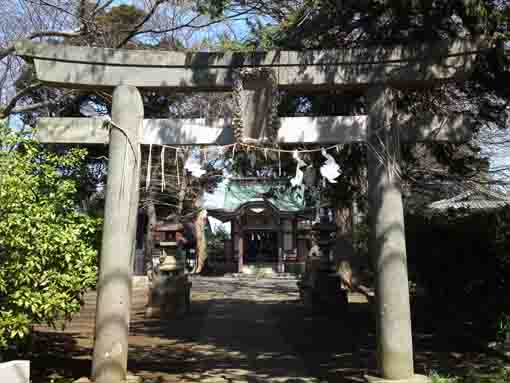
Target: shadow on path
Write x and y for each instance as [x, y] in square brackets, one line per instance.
[246, 331]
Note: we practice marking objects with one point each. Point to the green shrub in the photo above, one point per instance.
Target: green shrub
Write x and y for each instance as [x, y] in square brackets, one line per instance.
[463, 260]
[437, 378]
[47, 257]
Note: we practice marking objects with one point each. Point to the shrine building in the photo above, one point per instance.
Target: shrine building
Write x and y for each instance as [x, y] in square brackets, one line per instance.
[269, 224]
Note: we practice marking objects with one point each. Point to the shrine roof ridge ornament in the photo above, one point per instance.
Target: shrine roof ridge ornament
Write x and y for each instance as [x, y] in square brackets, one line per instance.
[403, 65]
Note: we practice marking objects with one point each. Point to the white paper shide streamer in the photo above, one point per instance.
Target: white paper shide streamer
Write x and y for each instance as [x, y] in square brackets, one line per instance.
[253, 159]
[298, 178]
[330, 170]
[163, 182]
[194, 166]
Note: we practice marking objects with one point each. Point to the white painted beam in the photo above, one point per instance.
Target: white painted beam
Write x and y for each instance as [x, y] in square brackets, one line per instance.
[155, 131]
[72, 130]
[197, 132]
[405, 66]
[293, 130]
[186, 132]
[323, 130]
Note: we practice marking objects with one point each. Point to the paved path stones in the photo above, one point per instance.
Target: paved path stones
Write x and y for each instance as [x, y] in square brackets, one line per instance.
[239, 330]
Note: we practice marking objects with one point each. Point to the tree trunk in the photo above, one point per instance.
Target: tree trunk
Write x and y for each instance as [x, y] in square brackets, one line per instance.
[200, 223]
[201, 248]
[347, 264]
[344, 250]
[183, 187]
[181, 195]
[150, 211]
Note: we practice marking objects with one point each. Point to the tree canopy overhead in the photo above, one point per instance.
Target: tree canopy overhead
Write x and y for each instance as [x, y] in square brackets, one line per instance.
[326, 24]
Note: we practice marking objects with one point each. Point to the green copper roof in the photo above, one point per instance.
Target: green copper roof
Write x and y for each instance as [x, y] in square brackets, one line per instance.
[230, 195]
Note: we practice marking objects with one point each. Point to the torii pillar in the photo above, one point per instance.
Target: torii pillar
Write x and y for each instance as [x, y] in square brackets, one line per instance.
[388, 247]
[114, 287]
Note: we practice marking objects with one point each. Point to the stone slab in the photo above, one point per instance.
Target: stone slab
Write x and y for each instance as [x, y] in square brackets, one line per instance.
[401, 66]
[15, 371]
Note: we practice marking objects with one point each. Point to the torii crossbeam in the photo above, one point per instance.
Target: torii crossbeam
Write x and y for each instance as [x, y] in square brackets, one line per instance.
[396, 66]
[374, 71]
[292, 130]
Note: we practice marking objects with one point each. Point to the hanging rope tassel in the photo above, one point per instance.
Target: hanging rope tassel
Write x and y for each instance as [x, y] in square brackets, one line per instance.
[177, 165]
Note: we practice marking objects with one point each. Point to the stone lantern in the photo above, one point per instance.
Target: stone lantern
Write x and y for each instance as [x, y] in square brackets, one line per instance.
[320, 286]
[169, 295]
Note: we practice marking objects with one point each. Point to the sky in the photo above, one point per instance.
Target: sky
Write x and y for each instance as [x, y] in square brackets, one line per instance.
[238, 27]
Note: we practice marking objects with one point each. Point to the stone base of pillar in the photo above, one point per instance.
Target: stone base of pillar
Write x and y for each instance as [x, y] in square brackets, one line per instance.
[169, 297]
[416, 378]
[129, 379]
[320, 289]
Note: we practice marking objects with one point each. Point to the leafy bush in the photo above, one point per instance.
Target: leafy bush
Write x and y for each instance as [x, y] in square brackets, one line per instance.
[437, 378]
[497, 374]
[47, 255]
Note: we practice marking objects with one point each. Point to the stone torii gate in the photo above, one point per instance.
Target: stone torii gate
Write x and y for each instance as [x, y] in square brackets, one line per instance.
[373, 71]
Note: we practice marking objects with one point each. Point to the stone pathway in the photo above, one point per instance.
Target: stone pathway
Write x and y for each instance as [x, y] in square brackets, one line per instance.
[239, 330]
[239, 340]
[252, 330]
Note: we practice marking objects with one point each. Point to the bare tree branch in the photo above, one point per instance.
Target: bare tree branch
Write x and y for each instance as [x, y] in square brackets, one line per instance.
[46, 4]
[189, 24]
[28, 108]
[55, 34]
[141, 23]
[12, 104]
[82, 9]
[6, 51]
[11, 48]
[98, 9]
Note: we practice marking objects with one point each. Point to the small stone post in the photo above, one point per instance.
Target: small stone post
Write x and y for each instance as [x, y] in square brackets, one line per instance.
[280, 246]
[114, 287]
[388, 248]
[240, 250]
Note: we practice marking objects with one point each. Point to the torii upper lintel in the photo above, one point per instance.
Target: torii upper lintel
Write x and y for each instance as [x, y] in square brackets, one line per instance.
[398, 66]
